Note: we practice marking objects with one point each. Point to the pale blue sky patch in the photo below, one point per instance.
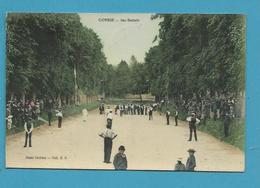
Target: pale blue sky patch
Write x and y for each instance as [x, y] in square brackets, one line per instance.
[123, 35]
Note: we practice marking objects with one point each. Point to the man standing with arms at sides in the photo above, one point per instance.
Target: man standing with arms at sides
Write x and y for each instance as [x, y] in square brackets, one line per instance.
[84, 114]
[168, 116]
[150, 113]
[109, 135]
[49, 116]
[227, 121]
[193, 121]
[176, 118]
[28, 127]
[191, 161]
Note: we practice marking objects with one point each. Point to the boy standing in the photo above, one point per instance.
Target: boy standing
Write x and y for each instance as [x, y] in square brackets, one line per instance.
[191, 161]
[120, 160]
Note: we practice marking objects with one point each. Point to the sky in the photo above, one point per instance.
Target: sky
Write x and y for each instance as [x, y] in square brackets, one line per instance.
[123, 35]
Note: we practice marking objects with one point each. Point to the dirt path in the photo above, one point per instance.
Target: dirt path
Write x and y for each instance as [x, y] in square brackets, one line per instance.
[150, 145]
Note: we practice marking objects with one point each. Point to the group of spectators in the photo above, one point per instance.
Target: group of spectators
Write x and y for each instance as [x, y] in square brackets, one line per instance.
[18, 111]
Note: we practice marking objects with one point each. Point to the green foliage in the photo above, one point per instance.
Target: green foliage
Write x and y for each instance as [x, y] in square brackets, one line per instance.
[44, 49]
[197, 53]
[236, 130]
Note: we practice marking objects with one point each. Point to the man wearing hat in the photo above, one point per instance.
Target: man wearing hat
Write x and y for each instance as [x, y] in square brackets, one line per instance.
[191, 161]
[179, 166]
[193, 121]
[120, 160]
[109, 135]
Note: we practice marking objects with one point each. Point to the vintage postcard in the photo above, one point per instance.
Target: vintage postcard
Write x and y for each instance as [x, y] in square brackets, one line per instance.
[115, 91]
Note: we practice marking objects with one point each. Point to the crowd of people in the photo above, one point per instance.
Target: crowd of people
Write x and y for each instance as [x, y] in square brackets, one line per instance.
[120, 160]
[18, 112]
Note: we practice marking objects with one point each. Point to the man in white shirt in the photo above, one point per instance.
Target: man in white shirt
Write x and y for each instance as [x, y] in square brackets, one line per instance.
[28, 127]
[59, 116]
[84, 114]
[193, 121]
[109, 135]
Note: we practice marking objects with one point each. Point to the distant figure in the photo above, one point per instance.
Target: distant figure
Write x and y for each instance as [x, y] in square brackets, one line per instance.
[179, 166]
[101, 109]
[227, 121]
[110, 117]
[84, 114]
[193, 121]
[168, 116]
[28, 127]
[176, 118]
[150, 113]
[49, 116]
[59, 115]
[120, 160]
[191, 161]
[109, 135]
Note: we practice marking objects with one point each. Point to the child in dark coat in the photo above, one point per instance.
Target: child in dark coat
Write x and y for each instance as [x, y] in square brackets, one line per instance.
[120, 160]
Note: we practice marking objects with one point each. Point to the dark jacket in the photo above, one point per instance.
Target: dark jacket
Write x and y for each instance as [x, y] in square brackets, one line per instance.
[191, 163]
[179, 167]
[120, 161]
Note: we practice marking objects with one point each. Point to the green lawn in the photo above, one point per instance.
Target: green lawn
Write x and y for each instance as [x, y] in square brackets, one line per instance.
[216, 128]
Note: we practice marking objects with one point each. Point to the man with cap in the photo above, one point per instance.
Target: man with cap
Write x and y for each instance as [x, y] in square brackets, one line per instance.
[109, 135]
[179, 166]
[193, 121]
[191, 161]
[120, 160]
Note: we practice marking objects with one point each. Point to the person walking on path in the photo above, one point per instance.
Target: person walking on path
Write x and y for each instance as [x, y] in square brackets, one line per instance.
[84, 114]
[28, 127]
[191, 161]
[120, 160]
[193, 121]
[109, 135]
[59, 115]
[176, 118]
[168, 116]
[179, 165]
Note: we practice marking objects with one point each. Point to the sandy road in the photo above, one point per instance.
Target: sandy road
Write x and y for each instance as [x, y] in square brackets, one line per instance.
[150, 145]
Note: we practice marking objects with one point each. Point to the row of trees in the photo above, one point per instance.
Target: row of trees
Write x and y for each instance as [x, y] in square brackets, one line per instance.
[197, 54]
[125, 78]
[53, 56]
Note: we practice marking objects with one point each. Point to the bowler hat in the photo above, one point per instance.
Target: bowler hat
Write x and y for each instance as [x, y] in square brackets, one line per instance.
[191, 150]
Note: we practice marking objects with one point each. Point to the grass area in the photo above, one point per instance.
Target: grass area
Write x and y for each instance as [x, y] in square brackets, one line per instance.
[67, 111]
[236, 131]
[216, 128]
